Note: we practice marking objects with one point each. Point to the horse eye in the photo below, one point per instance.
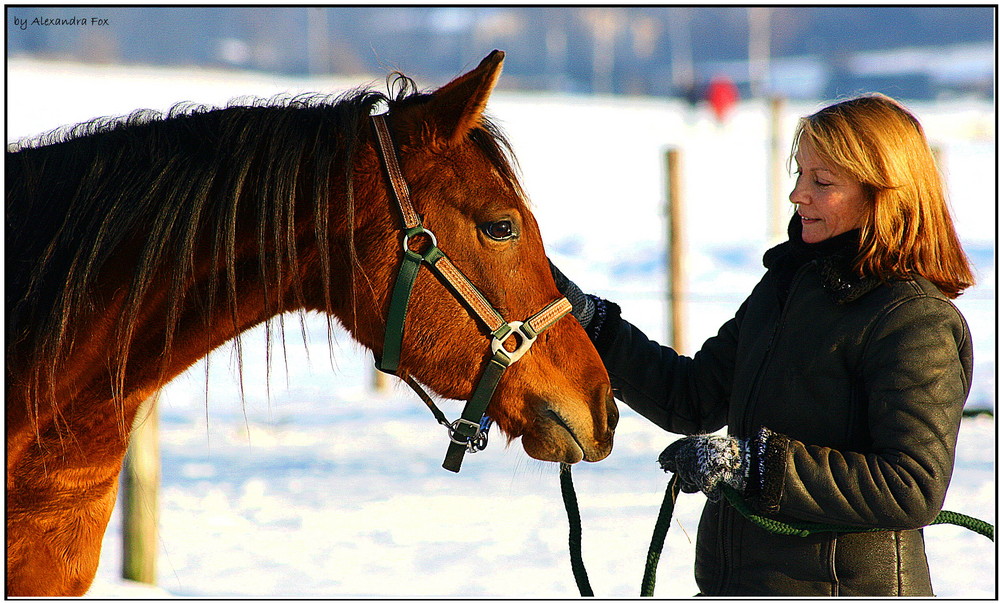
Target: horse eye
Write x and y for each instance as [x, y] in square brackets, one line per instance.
[500, 230]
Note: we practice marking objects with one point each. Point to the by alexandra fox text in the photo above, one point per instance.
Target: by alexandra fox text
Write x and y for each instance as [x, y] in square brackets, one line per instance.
[24, 23]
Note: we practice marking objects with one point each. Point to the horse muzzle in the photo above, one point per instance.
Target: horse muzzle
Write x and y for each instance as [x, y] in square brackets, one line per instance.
[558, 435]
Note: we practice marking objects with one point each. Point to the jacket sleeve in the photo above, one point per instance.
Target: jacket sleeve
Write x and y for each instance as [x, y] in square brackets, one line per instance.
[915, 375]
[679, 393]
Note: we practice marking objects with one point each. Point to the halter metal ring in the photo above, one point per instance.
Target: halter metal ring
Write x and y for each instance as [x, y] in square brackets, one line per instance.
[523, 343]
[417, 231]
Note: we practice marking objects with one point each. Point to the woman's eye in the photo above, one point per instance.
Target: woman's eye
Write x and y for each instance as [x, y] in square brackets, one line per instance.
[500, 230]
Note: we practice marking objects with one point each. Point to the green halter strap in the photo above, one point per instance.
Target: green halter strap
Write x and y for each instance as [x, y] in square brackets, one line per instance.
[467, 433]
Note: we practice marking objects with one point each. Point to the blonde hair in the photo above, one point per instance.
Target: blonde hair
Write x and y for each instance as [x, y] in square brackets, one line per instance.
[908, 228]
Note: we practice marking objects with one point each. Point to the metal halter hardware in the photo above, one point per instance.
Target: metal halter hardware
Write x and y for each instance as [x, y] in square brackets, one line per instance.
[468, 433]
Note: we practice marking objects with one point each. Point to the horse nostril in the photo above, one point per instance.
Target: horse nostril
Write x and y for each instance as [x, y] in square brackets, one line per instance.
[612, 414]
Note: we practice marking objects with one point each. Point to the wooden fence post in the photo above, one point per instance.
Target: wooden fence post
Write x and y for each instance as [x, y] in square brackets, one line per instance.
[675, 249]
[140, 494]
[778, 214]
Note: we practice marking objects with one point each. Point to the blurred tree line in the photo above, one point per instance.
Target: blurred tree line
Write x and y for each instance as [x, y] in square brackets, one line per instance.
[647, 50]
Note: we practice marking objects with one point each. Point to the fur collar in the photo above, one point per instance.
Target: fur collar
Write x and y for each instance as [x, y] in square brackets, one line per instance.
[833, 259]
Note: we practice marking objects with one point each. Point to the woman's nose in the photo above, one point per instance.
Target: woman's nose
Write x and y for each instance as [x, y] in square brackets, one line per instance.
[796, 196]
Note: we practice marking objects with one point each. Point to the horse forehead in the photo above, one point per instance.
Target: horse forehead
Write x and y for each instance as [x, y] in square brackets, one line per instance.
[465, 159]
[470, 170]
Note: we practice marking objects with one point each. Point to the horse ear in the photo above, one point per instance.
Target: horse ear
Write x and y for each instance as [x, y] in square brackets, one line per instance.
[458, 105]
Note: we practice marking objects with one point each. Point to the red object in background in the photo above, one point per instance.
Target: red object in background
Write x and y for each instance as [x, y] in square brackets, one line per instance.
[722, 95]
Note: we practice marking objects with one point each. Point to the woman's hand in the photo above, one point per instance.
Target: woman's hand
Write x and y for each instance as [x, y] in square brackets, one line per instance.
[583, 304]
[703, 462]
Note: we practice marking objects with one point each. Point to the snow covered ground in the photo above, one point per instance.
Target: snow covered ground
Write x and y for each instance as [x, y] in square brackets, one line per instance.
[329, 489]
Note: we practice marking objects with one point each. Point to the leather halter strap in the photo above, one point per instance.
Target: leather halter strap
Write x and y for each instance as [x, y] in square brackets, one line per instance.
[391, 162]
[467, 433]
[459, 284]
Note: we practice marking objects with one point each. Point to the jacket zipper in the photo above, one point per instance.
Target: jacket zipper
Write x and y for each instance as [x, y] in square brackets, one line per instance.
[832, 560]
[751, 405]
[727, 520]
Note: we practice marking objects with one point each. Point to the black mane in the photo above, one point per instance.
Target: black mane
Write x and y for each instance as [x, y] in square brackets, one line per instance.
[76, 195]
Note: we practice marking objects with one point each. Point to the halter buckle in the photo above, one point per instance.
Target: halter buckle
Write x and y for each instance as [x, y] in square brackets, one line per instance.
[470, 434]
[526, 338]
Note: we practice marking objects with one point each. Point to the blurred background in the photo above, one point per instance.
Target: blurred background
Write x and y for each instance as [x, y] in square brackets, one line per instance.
[313, 482]
[912, 52]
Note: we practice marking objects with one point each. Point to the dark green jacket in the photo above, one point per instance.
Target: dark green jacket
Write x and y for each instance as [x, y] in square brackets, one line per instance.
[865, 382]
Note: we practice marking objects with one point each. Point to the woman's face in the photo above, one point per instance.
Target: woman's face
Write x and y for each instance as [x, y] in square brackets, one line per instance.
[830, 202]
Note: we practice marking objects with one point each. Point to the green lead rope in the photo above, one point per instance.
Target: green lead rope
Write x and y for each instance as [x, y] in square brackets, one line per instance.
[575, 530]
[734, 498]
[971, 523]
[576, 533]
[659, 536]
[805, 529]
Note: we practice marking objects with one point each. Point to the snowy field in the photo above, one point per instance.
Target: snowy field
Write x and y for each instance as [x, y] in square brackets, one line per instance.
[328, 489]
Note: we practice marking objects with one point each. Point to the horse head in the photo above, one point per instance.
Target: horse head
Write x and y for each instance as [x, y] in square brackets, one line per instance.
[142, 243]
[557, 396]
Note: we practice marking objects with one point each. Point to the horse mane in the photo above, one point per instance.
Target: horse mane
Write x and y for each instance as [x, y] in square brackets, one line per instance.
[79, 195]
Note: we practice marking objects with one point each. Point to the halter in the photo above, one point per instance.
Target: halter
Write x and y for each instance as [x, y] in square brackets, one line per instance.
[468, 433]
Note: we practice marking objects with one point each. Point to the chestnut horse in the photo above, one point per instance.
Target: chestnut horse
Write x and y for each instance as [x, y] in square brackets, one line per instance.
[137, 245]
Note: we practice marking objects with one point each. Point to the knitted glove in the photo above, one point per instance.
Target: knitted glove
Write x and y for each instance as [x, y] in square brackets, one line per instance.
[702, 462]
[583, 304]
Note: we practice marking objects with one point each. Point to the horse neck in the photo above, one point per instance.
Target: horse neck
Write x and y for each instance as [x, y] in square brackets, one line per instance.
[220, 299]
[165, 295]
[268, 274]
[176, 291]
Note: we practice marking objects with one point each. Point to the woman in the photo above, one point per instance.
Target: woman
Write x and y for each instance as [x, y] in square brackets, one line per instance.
[841, 378]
